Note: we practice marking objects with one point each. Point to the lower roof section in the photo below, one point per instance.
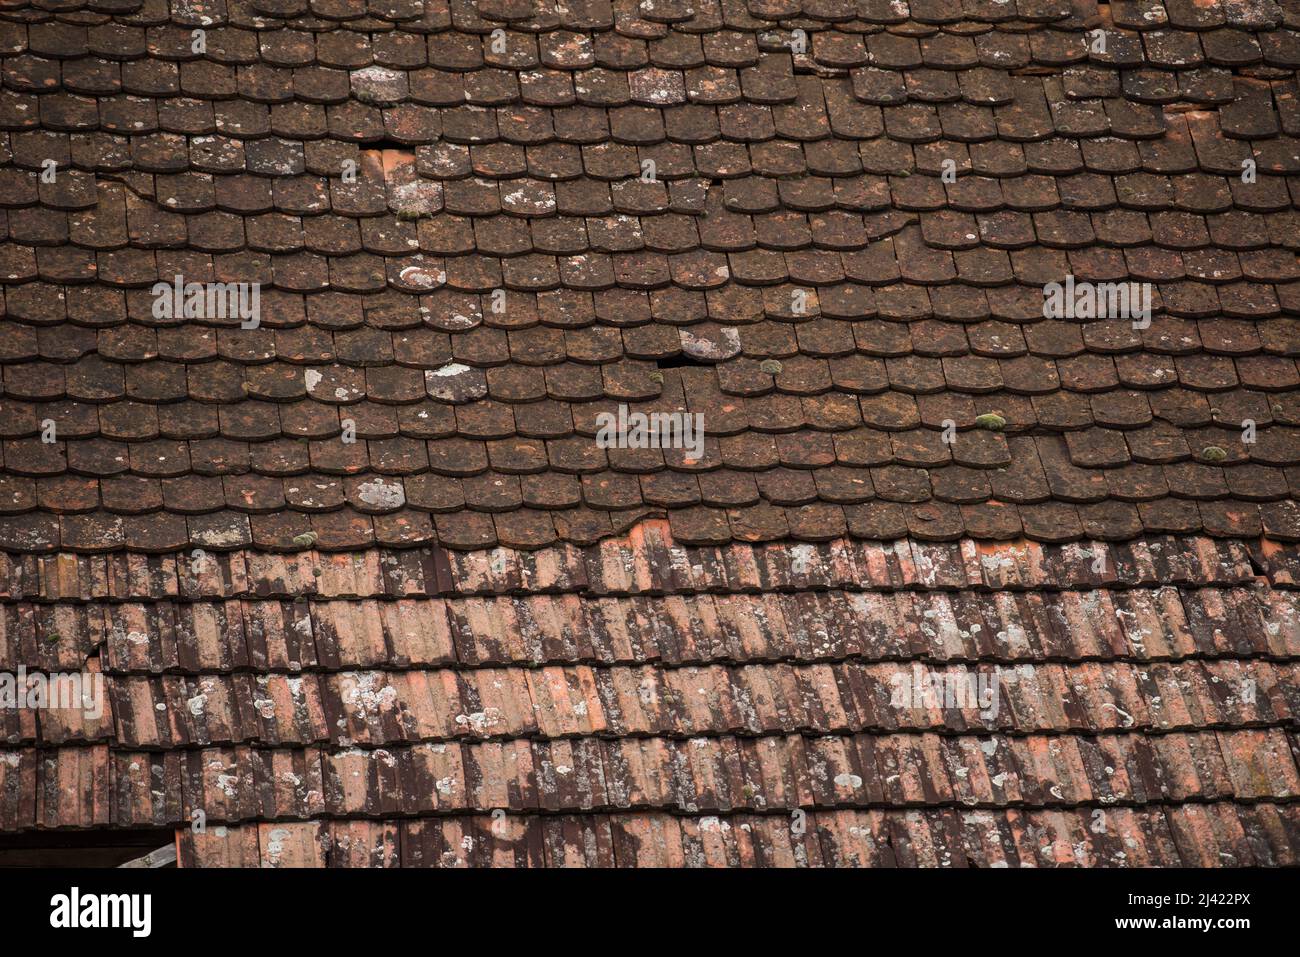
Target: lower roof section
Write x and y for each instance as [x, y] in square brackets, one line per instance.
[644, 701]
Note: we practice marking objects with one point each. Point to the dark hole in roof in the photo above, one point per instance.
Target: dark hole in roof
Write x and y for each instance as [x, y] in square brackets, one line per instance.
[682, 360]
[82, 848]
[388, 144]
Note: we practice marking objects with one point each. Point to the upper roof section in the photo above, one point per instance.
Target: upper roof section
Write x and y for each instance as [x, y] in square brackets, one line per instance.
[469, 229]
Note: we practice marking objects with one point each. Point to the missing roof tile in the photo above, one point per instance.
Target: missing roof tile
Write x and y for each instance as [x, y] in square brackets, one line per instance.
[682, 360]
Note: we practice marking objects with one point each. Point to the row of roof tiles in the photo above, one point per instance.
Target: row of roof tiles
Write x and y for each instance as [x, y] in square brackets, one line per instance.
[985, 275]
[550, 68]
[1003, 278]
[838, 320]
[735, 34]
[786, 469]
[610, 69]
[52, 30]
[419, 204]
[1018, 298]
[689, 140]
[93, 786]
[164, 407]
[977, 230]
[647, 562]
[646, 20]
[122, 178]
[753, 104]
[649, 19]
[266, 400]
[537, 334]
[346, 529]
[382, 708]
[1139, 624]
[1216, 835]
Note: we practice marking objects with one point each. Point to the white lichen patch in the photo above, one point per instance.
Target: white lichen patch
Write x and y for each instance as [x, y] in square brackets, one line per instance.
[380, 494]
[455, 382]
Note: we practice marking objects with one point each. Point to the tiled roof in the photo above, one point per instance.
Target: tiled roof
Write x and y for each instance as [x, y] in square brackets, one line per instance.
[359, 575]
[641, 701]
